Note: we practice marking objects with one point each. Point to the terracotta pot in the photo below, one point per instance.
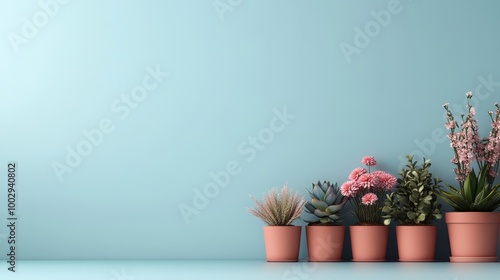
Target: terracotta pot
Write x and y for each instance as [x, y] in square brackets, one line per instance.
[282, 243]
[369, 243]
[325, 243]
[416, 243]
[473, 236]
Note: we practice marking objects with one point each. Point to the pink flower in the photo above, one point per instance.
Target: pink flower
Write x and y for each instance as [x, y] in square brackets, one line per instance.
[369, 161]
[356, 173]
[369, 199]
[386, 181]
[450, 125]
[349, 188]
[472, 111]
[367, 181]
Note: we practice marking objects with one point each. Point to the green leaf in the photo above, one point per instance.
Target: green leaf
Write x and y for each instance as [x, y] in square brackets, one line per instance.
[470, 186]
[320, 213]
[421, 217]
[325, 220]
[319, 204]
[411, 215]
[387, 222]
[334, 208]
[330, 197]
[310, 208]
[315, 220]
[318, 193]
[334, 217]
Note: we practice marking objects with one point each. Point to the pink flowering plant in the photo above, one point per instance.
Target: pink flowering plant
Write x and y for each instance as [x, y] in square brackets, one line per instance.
[477, 192]
[367, 190]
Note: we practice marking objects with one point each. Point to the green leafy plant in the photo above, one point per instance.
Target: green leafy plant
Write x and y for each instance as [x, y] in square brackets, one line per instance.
[414, 201]
[325, 204]
[477, 193]
[278, 208]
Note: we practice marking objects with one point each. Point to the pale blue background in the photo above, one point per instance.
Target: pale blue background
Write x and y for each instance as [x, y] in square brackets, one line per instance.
[226, 78]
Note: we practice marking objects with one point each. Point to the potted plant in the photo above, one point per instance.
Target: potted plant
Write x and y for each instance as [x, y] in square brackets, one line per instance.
[473, 228]
[413, 204]
[366, 190]
[278, 210]
[325, 237]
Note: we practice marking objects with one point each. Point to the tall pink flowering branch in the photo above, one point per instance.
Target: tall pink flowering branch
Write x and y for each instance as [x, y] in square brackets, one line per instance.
[467, 145]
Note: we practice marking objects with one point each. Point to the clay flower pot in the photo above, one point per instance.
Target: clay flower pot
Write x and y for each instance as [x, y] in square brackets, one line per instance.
[473, 236]
[282, 243]
[369, 243]
[325, 243]
[416, 243]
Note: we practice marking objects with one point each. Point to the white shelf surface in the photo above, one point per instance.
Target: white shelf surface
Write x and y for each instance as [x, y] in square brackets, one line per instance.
[245, 269]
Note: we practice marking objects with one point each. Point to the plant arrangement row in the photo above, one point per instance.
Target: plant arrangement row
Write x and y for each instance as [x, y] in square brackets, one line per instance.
[411, 199]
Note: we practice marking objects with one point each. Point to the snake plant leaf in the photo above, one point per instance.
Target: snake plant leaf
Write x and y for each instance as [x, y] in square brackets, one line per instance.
[454, 190]
[457, 202]
[470, 186]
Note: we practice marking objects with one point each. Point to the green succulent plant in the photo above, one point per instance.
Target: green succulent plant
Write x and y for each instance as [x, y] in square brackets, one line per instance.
[325, 204]
[414, 201]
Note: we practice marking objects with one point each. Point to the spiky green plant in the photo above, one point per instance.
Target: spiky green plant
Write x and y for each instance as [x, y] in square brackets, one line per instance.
[278, 209]
[414, 201]
[325, 204]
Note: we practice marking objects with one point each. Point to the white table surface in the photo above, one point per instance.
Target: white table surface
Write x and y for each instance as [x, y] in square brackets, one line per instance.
[245, 269]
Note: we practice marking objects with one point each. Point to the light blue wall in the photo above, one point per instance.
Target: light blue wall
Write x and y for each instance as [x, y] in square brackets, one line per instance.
[231, 76]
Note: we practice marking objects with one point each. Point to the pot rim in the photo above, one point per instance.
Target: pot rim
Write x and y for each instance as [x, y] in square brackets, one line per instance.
[368, 226]
[416, 226]
[290, 226]
[472, 217]
[329, 226]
